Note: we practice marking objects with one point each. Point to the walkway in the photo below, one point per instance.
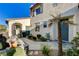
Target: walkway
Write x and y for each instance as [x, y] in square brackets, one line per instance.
[37, 45]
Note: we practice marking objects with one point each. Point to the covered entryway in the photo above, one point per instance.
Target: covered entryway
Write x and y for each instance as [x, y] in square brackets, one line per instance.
[16, 29]
[16, 25]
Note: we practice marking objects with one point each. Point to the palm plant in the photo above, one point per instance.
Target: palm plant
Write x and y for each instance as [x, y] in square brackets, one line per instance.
[58, 19]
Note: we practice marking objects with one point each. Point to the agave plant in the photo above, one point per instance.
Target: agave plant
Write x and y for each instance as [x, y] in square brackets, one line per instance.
[45, 50]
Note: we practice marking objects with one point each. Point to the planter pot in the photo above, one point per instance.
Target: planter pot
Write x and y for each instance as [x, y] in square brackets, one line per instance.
[13, 45]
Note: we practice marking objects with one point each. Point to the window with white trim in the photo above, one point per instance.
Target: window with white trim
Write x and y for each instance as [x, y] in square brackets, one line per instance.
[37, 11]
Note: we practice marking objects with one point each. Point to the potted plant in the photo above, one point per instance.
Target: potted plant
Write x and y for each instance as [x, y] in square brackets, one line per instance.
[13, 44]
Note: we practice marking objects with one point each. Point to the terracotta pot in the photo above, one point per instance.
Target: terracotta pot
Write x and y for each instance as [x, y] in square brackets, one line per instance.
[13, 44]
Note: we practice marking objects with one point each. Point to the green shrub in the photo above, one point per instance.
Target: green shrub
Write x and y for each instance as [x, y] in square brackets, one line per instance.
[45, 50]
[38, 36]
[3, 54]
[0, 45]
[34, 38]
[74, 51]
[43, 39]
[11, 52]
[30, 37]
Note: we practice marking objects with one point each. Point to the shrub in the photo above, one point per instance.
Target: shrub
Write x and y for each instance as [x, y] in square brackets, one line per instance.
[74, 51]
[3, 42]
[45, 50]
[34, 38]
[11, 52]
[30, 37]
[38, 36]
[25, 33]
[0, 46]
[43, 39]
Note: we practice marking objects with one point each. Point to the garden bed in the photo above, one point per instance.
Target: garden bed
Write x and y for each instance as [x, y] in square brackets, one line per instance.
[19, 52]
[38, 38]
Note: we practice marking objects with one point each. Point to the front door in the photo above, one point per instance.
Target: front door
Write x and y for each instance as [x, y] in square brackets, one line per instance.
[64, 31]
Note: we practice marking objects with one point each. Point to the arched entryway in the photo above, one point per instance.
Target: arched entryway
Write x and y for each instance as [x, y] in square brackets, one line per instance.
[16, 28]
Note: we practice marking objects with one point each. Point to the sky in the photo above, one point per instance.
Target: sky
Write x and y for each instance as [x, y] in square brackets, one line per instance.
[13, 10]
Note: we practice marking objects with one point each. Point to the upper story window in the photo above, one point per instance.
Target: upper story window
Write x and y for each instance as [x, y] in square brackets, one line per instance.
[37, 9]
[55, 4]
[45, 24]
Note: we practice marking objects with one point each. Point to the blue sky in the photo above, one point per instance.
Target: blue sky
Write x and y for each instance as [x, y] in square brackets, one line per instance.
[13, 10]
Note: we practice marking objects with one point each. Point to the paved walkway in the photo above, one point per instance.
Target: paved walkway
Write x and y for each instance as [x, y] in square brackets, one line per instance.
[37, 45]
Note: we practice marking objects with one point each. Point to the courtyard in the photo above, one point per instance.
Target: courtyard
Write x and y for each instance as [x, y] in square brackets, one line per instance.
[44, 33]
[33, 45]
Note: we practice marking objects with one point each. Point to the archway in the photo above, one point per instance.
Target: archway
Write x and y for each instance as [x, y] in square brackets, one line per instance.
[16, 28]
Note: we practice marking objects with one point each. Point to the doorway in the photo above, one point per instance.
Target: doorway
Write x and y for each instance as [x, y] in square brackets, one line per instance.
[65, 30]
[16, 28]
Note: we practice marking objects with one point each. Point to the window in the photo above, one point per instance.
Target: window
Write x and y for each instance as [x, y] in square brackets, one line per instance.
[55, 4]
[37, 28]
[38, 11]
[45, 24]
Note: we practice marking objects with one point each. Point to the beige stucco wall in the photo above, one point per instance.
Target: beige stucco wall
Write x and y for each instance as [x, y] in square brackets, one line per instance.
[77, 21]
[48, 9]
[25, 22]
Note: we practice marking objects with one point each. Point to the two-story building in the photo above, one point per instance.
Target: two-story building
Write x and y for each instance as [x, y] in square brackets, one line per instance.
[41, 14]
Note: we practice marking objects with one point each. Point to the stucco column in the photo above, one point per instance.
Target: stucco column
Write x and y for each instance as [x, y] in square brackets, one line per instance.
[23, 27]
[10, 30]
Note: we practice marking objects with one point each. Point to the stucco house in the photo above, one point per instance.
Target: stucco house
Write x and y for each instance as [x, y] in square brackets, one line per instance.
[41, 14]
[15, 25]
